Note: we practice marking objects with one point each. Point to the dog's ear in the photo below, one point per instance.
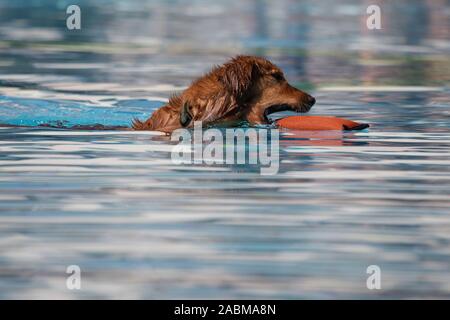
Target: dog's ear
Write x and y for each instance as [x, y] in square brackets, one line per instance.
[185, 115]
[237, 75]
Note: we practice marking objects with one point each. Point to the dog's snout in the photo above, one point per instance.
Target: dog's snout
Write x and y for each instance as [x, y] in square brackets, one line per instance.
[311, 100]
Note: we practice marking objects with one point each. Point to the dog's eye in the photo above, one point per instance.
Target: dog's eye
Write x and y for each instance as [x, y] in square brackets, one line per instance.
[278, 76]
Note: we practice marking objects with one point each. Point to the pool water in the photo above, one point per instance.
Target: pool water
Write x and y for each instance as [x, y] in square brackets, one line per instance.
[140, 226]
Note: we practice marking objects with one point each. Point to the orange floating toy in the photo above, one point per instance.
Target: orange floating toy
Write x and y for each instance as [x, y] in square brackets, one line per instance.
[315, 123]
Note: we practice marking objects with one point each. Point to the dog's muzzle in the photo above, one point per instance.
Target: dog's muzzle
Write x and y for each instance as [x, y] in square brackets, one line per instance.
[304, 107]
[308, 104]
[277, 108]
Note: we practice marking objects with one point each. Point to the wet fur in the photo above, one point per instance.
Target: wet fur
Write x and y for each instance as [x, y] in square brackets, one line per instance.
[246, 88]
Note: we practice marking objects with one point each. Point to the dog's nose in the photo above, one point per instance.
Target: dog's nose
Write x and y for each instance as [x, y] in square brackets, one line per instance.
[311, 100]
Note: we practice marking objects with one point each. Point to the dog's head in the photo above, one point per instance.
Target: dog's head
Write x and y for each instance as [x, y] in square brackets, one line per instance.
[262, 87]
[246, 85]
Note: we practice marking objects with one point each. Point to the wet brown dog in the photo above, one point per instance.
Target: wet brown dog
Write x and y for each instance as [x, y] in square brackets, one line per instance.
[246, 88]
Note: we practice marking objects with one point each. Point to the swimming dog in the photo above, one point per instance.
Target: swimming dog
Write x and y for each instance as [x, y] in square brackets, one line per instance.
[246, 88]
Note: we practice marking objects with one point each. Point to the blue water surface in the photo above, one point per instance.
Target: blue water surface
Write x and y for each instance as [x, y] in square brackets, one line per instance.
[141, 226]
[37, 112]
